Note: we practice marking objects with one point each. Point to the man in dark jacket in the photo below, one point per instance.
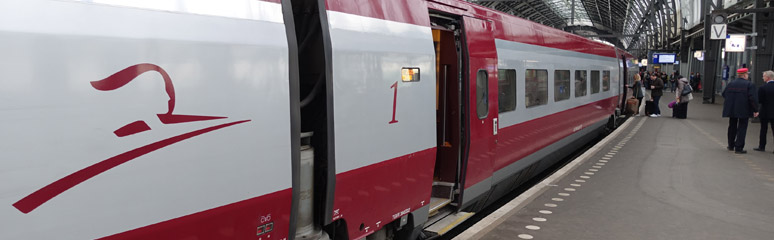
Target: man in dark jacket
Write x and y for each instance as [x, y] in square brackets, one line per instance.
[766, 99]
[739, 106]
[656, 86]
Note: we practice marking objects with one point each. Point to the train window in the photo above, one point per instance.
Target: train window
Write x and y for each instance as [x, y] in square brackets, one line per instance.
[536, 87]
[482, 91]
[580, 83]
[561, 85]
[409, 74]
[507, 89]
[605, 80]
[594, 82]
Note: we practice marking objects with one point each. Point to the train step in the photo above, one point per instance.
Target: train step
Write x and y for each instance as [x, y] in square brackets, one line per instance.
[441, 196]
[442, 223]
[437, 203]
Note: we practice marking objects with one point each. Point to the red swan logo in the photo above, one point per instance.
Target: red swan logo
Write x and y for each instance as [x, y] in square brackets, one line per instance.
[113, 82]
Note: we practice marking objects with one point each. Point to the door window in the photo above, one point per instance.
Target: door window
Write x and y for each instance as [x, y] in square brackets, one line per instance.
[482, 91]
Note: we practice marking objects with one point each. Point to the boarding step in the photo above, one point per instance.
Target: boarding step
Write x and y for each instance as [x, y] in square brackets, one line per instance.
[437, 203]
[442, 189]
[445, 221]
[441, 196]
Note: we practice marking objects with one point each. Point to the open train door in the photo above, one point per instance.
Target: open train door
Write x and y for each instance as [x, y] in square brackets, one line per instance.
[481, 99]
[622, 89]
[466, 181]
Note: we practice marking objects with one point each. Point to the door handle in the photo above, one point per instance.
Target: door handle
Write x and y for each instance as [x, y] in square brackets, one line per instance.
[495, 126]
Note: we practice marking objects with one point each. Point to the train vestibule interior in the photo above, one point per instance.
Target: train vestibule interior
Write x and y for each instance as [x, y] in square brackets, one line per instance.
[448, 62]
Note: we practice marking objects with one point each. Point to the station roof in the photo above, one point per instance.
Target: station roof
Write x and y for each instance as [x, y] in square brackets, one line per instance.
[613, 21]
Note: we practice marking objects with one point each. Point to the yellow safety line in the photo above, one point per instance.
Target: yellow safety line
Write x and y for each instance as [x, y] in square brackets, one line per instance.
[453, 224]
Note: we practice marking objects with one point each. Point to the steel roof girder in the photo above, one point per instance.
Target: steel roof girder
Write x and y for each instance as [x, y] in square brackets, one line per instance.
[646, 15]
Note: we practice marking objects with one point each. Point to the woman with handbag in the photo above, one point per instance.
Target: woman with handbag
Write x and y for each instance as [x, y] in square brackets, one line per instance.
[637, 92]
[682, 97]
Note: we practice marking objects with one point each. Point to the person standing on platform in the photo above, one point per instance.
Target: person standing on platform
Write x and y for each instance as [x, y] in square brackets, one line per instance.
[766, 115]
[696, 82]
[637, 91]
[656, 87]
[673, 81]
[739, 106]
[645, 96]
[680, 109]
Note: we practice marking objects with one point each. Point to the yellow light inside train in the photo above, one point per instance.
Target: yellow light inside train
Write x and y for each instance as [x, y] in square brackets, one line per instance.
[409, 74]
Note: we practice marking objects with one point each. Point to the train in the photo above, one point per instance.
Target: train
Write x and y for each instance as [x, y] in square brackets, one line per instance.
[283, 119]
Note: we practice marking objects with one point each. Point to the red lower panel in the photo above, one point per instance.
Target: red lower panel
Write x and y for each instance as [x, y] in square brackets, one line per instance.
[375, 195]
[520, 140]
[238, 220]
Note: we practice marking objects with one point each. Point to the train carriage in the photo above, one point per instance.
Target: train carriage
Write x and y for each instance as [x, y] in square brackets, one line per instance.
[248, 119]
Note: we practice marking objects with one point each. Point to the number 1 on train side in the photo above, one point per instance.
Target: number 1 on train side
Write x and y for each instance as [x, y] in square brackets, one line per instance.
[394, 101]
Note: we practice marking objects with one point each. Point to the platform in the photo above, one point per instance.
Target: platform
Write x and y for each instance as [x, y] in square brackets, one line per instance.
[653, 178]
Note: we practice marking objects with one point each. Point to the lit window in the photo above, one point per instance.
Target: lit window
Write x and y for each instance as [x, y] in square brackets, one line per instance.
[409, 74]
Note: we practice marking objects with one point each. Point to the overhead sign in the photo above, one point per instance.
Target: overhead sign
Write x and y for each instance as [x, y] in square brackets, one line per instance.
[718, 31]
[663, 58]
[735, 43]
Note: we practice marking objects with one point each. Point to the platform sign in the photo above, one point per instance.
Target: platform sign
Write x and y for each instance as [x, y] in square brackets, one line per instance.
[735, 43]
[718, 31]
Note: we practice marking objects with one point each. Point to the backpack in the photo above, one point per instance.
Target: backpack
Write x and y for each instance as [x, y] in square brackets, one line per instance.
[686, 90]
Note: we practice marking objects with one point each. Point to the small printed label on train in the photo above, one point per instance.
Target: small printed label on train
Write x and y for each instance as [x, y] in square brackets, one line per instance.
[401, 213]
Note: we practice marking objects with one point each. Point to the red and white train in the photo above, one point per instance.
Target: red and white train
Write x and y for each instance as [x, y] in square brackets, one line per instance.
[282, 119]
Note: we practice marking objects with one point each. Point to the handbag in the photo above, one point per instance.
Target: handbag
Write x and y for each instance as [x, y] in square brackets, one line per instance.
[686, 90]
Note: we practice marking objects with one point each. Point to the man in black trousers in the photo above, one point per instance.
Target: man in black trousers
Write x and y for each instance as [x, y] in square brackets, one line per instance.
[739, 106]
[766, 99]
[656, 86]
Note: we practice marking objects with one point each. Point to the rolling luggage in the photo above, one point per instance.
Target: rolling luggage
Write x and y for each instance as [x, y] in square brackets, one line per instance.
[649, 107]
[680, 111]
[631, 106]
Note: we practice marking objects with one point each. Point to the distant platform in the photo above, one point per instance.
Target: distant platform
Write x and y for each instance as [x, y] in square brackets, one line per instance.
[654, 178]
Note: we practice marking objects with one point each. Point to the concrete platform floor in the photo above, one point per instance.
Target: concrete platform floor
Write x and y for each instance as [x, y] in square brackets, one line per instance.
[662, 178]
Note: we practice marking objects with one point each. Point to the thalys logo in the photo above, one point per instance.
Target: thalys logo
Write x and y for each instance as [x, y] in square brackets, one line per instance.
[113, 82]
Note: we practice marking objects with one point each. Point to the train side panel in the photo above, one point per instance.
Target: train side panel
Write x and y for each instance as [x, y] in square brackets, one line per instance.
[144, 120]
[384, 127]
[533, 128]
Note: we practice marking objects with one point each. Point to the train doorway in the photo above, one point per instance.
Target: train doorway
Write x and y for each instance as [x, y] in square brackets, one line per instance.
[449, 109]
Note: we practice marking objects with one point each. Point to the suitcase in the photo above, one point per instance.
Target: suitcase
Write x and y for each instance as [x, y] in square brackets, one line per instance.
[649, 107]
[680, 111]
[631, 106]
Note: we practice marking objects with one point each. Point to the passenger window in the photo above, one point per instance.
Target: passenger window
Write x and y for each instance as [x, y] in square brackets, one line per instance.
[536, 87]
[561, 85]
[580, 83]
[594, 82]
[605, 80]
[507, 89]
[482, 91]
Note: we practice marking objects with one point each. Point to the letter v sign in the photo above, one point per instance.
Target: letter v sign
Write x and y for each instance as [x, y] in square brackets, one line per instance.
[718, 31]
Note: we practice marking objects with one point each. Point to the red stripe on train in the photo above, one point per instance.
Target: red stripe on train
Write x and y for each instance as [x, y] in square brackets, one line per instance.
[238, 220]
